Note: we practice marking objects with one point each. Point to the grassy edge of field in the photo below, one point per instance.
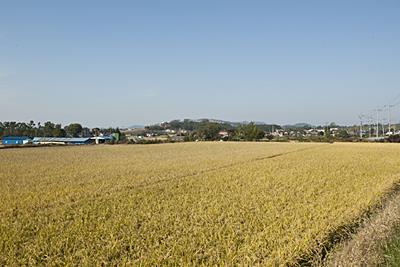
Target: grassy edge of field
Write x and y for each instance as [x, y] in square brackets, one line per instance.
[391, 252]
[373, 240]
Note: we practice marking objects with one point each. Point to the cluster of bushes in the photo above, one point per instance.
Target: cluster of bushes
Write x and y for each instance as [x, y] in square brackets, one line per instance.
[394, 138]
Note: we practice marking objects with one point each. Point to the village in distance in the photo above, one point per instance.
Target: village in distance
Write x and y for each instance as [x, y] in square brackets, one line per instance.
[49, 133]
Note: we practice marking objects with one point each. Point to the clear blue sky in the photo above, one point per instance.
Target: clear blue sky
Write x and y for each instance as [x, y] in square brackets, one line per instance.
[118, 63]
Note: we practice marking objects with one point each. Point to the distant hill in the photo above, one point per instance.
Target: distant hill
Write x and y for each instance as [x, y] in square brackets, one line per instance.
[214, 121]
[136, 127]
[298, 125]
[233, 123]
[190, 125]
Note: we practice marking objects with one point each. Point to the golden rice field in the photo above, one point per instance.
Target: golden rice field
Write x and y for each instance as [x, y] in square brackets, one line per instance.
[228, 204]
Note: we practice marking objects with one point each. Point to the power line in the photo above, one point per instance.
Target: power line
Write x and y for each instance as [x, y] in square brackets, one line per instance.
[376, 115]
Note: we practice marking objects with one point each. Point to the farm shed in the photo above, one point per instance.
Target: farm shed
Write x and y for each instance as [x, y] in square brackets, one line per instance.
[15, 140]
[61, 140]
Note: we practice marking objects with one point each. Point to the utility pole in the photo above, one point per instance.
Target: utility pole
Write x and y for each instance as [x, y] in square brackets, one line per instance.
[370, 121]
[361, 125]
[377, 122]
[383, 126]
[390, 124]
[326, 129]
[377, 126]
[390, 118]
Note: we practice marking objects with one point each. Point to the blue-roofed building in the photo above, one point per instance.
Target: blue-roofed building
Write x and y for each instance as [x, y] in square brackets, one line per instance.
[15, 140]
[61, 140]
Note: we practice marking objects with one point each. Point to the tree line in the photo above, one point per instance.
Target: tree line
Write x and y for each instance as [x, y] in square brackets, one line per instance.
[210, 130]
[50, 129]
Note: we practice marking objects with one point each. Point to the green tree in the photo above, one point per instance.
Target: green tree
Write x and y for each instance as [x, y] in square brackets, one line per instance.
[343, 134]
[74, 129]
[209, 131]
[48, 128]
[58, 131]
[249, 132]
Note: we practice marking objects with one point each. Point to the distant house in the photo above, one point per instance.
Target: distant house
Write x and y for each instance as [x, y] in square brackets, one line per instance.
[279, 133]
[334, 131]
[61, 140]
[102, 139]
[177, 138]
[223, 133]
[135, 139]
[170, 131]
[15, 140]
[314, 132]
